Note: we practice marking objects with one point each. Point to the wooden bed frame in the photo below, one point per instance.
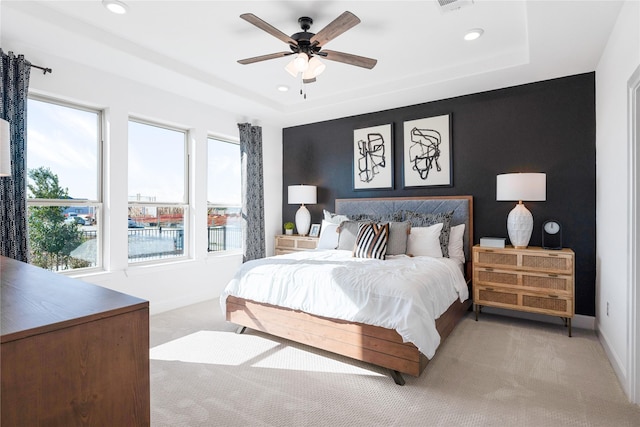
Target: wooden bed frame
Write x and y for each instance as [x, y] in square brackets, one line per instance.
[367, 343]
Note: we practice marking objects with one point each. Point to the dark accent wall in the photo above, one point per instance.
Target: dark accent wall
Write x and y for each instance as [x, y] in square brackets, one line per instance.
[546, 127]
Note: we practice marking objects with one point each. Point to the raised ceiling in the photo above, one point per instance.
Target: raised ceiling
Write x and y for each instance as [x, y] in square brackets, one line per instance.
[191, 48]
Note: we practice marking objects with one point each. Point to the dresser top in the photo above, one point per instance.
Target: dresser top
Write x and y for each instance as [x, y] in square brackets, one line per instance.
[35, 301]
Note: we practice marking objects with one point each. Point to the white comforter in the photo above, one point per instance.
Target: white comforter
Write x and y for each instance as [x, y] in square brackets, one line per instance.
[403, 293]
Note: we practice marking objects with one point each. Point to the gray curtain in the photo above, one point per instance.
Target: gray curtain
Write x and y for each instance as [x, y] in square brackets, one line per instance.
[252, 192]
[13, 199]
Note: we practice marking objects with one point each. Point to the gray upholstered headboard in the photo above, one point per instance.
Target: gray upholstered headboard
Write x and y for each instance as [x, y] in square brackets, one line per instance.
[462, 207]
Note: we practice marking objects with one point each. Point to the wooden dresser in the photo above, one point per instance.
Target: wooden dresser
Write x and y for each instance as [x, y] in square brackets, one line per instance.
[287, 243]
[534, 280]
[71, 353]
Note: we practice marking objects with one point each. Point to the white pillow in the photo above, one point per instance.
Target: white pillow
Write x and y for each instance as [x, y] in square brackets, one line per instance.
[425, 241]
[328, 235]
[456, 243]
[334, 218]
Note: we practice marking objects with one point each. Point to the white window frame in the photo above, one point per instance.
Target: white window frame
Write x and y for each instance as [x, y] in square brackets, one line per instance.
[96, 204]
[218, 205]
[186, 254]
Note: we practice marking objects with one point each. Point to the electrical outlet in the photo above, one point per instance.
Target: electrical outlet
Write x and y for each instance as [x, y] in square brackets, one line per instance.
[607, 308]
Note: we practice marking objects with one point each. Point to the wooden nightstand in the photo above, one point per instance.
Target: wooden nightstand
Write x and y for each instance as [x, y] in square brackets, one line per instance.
[534, 280]
[287, 243]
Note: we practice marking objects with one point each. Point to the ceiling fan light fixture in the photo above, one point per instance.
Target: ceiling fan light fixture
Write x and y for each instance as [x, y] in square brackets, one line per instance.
[291, 68]
[316, 67]
[115, 6]
[473, 34]
[301, 62]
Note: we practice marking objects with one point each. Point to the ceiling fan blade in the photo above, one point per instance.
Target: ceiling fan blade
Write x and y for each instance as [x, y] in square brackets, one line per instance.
[348, 58]
[265, 26]
[263, 57]
[336, 27]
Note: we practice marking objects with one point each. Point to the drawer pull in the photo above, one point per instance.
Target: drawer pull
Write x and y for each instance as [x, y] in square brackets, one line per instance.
[553, 296]
[488, 269]
[488, 289]
[552, 254]
[553, 275]
[488, 250]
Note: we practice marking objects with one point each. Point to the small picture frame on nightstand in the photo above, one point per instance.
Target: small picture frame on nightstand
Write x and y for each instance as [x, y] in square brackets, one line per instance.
[315, 230]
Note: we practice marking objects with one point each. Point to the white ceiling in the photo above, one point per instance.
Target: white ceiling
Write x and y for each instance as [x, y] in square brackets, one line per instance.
[191, 48]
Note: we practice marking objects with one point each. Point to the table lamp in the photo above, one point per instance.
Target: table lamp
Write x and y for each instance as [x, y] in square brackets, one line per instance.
[521, 187]
[303, 194]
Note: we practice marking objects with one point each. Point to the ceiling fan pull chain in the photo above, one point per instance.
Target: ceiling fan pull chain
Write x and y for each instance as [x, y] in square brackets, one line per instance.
[303, 92]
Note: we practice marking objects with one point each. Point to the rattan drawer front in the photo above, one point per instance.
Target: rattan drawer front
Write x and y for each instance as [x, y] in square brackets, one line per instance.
[307, 244]
[497, 258]
[497, 277]
[489, 295]
[557, 305]
[547, 282]
[284, 242]
[294, 243]
[547, 263]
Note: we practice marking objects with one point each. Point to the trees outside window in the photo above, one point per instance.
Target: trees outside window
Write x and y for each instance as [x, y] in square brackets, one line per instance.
[52, 238]
[64, 193]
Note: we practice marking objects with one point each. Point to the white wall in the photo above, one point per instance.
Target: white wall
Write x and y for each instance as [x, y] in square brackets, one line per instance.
[618, 62]
[202, 276]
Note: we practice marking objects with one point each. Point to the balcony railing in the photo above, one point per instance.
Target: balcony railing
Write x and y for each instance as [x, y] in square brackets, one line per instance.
[223, 238]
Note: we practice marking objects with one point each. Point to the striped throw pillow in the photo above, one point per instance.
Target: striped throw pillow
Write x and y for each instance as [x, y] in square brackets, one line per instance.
[371, 241]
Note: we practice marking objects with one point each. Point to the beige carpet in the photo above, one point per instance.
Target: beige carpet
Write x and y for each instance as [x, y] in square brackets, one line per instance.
[496, 372]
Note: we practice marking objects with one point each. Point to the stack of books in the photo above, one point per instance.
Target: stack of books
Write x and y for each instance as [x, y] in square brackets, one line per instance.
[492, 242]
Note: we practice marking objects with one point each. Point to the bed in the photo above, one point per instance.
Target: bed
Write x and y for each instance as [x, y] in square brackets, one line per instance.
[386, 341]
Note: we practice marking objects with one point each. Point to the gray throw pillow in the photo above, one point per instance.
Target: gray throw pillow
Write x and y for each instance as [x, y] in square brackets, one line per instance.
[348, 233]
[398, 235]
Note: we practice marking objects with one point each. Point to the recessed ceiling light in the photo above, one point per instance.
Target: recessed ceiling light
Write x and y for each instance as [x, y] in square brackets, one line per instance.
[473, 34]
[115, 6]
[283, 88]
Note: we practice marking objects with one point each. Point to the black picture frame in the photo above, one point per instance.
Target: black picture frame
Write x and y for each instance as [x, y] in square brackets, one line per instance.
[373, 158]
[427, 152]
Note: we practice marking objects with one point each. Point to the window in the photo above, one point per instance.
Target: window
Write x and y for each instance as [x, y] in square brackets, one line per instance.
[224, 196]
[64, 197]
[158, 192]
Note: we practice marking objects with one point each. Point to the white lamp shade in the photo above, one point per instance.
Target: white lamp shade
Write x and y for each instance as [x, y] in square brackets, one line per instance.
[303, 194]
[521, 187]
[301, 62]
[5, 148]
[291, 68]
[316, 67]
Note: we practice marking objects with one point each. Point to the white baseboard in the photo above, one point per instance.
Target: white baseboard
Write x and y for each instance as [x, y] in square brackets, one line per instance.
[614, 360]
[579, 321]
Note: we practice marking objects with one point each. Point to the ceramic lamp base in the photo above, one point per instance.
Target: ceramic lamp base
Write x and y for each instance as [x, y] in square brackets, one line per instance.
[520, 226]
[303, 221]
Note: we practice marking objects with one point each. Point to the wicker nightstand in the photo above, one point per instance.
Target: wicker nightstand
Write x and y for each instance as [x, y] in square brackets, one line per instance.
[535, 280]
[287, 243]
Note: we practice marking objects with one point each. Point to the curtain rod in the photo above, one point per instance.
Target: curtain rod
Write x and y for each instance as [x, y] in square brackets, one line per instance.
[44, 69]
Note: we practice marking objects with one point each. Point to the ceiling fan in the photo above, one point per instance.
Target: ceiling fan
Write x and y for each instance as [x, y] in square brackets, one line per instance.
[308, 46]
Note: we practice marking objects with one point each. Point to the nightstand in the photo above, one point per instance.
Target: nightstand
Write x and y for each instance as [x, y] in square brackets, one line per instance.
[287, 243]
[534, 280]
